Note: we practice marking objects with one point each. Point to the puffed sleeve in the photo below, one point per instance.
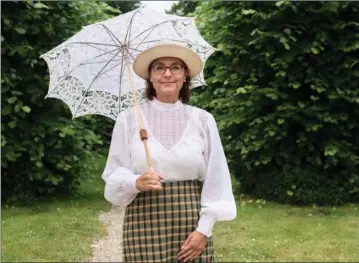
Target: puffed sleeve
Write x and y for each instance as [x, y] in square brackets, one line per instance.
[217, 200]
[120, 187]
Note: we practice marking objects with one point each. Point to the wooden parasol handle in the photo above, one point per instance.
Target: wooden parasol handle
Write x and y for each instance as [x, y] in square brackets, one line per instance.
[143, 132]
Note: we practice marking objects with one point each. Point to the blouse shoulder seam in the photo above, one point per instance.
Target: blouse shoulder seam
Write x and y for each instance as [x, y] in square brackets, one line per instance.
[200, 111]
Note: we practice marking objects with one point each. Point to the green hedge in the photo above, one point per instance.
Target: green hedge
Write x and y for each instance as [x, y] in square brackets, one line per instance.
[43, 149]
[284, 88]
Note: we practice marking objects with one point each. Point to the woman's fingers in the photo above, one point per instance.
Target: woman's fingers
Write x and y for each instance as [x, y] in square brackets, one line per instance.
[155, 176]
[154, 184]
[186, 253]
[192, 247]
[189, 255]
[161, 176]
[150, 181]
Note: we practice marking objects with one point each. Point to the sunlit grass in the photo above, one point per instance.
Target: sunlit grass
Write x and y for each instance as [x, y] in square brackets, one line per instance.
[271, 232]
[63, 230]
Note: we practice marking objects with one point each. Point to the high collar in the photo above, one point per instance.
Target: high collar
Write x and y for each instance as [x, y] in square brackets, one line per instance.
[166, 106]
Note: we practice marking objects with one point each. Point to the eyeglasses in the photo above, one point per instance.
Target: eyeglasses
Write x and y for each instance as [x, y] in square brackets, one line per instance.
[161, 69]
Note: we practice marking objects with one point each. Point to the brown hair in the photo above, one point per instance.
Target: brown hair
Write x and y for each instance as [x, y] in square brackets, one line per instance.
[184, 94]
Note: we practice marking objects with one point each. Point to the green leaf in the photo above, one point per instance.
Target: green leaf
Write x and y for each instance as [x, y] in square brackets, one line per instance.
[20, 30]
[280, 3]
[314, 98]
[12, 124]
[53, 180]
[272, 96]
[281, 73]
[40, 5]
[254, 32]
[17, 107]
[241, 90]
[290, 193]
[3, 141]
[248, 12]
[314, 50]
[301, 104]
[6, 110]
[26, 109]
[11, 100]
[296, 85]
[329, 153]
[6, 20]
[280, 121]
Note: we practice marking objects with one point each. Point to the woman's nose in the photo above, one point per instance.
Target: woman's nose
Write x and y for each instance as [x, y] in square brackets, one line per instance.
[168, 72]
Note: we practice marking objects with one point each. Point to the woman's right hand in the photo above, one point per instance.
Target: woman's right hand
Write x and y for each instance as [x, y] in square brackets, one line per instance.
[149, 181]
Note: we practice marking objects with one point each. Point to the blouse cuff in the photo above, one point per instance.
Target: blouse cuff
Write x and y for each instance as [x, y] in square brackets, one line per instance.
[131, 184]
[206, 224]
[121, 188]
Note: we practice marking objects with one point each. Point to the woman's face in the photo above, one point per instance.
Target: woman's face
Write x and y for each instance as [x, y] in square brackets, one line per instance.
[167, 76]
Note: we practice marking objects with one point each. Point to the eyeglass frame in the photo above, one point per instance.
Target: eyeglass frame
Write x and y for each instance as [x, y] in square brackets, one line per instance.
[182, 67]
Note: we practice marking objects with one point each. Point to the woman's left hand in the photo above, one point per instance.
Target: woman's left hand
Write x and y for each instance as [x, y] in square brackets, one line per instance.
[193, 246]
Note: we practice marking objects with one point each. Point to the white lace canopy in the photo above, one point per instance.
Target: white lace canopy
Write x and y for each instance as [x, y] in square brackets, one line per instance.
[90, 71]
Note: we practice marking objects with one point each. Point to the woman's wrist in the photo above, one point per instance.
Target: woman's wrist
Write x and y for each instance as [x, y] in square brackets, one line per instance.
[205, 224]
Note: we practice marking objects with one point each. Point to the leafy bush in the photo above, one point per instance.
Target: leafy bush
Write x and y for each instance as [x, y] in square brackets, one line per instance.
[43, 149]
[284, 89]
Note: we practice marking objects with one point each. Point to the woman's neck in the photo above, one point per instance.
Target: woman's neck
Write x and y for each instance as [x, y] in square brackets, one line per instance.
[167, 106]
[167, 99]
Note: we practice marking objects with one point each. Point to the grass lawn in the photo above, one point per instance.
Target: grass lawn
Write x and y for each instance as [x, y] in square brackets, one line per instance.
[58, 230]
[63, 230]
[272, 232]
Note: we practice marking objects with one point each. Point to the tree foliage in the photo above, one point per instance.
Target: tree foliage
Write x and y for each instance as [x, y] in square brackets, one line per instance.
[284, 89]
[183, 8]
[43, 149]
[124, 6]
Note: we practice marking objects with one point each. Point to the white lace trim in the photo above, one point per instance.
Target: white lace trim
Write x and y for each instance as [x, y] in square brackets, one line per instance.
[167, 122]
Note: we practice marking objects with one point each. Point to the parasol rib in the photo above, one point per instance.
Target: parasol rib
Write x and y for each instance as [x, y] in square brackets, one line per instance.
[94, 79]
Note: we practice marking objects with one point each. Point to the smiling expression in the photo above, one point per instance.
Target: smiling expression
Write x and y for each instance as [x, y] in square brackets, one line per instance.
[167, 83]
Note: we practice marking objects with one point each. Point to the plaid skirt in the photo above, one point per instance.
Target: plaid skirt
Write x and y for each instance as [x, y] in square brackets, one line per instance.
[157, 223]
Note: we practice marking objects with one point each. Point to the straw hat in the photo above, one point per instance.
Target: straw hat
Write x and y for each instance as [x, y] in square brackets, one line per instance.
[189, 57]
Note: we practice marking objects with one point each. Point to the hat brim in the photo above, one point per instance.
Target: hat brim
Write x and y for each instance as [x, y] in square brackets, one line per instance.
[189, 57]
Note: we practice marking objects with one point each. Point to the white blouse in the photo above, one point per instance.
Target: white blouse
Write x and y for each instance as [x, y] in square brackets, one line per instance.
[184, 144]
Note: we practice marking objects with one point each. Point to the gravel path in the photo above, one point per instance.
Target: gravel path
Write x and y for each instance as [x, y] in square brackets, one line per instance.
[109, 249]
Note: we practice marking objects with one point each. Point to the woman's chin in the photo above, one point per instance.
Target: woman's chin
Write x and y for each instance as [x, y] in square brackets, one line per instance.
[168, 90]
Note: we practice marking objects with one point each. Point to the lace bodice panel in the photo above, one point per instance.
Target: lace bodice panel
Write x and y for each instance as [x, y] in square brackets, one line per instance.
[167, 122]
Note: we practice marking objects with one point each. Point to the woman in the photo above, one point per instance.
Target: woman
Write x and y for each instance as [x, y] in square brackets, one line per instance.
[171, 211]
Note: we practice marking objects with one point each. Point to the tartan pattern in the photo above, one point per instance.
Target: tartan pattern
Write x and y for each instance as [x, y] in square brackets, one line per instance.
[157, 223]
